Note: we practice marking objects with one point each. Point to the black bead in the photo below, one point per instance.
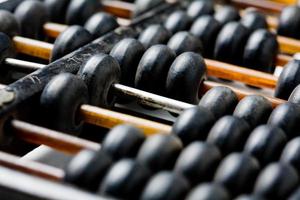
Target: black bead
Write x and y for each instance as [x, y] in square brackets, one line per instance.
[6, 47]
[183, 41]
[289, 22]
[286, 116]
[230, 43]
[153, 69]
[185, 77]
[61, 100]
[229, 134]
[99, 73]
[206, 28]
[295, 96]
[237, 172]
[227, 14]
[288, 80]
[295, 195]
[193, 124]
[79, 11]
[9, 24]
[123, 141]
[276, 181]
[253, 20]
[178, 21]
[87, 169]
[142, 6]
[199, 8]
[154, 34]
[32, 15]
[208, 191]
[166, 186]
[261, 51]
[266, 143]
[57, 9]
[198, 162]
[125, 180]
[254, 109]
[159, 152]
[220, 101]
[291, 153]
[249, 197]
[100, 23]
[71, 39]
[128, 53]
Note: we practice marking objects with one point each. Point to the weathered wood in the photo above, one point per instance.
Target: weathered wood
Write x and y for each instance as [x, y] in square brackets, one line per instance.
[108, 119]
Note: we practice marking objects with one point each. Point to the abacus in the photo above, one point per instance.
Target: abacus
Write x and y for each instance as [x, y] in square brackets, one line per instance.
[150, 99]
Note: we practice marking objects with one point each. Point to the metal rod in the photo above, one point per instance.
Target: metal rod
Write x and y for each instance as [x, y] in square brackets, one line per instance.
[21, 64]
[150, 99]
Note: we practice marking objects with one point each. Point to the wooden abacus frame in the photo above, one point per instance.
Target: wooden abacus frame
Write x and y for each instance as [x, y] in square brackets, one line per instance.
[24, 92]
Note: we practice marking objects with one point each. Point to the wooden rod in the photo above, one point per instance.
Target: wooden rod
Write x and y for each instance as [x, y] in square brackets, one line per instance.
[272, 22]
[33, 47]
[287, 2]
[30, 167]
[240, 93]
[109, 119]
[54, 29]
[288, 45]
[244, 75]
[282, 59]
[57, 140]
[265, 5]
[118, 8]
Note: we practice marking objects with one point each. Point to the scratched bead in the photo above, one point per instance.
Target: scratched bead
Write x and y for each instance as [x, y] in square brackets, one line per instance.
[71, 39]
[61, 99]
[99, 73]
[187, 71]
